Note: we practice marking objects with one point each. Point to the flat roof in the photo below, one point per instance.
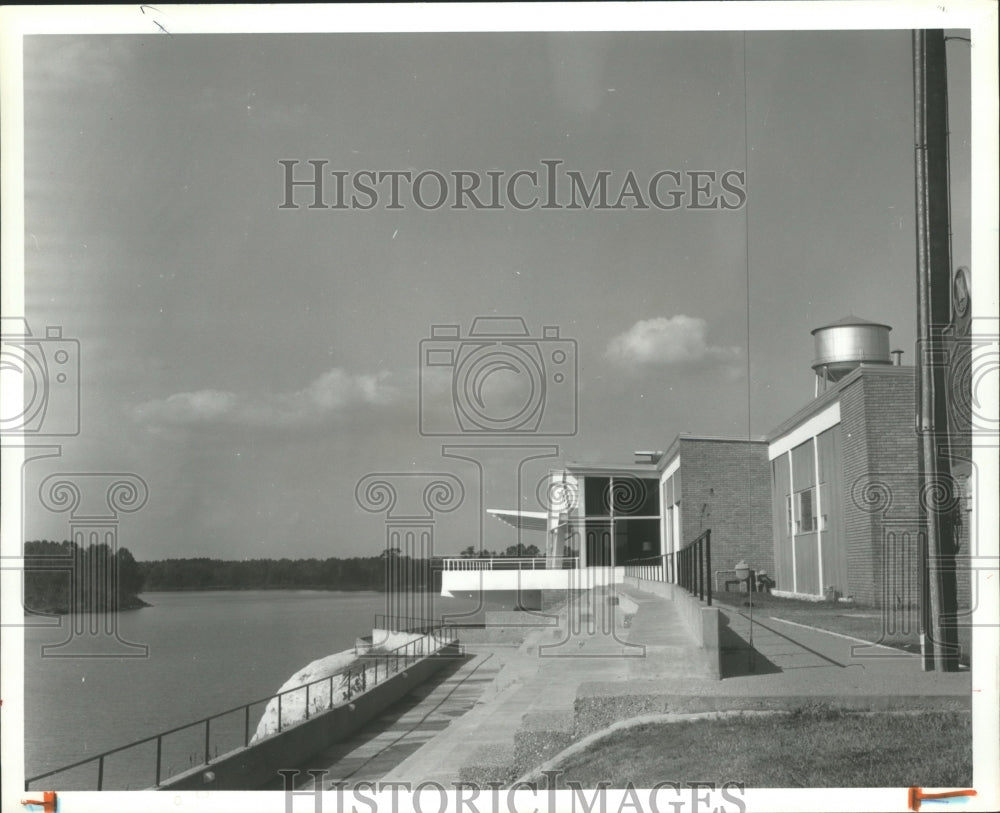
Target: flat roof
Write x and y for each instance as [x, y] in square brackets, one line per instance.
[675, 445]
[826, 398]
[650, 468]
[802, 414]
[655, 468]
[522, 520]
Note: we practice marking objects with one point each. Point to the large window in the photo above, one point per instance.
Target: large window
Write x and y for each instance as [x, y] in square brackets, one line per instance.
[622, 519]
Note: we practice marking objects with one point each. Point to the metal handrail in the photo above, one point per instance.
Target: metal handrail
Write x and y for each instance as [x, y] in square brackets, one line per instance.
[511, 563]
[689, 567]
[353, 679]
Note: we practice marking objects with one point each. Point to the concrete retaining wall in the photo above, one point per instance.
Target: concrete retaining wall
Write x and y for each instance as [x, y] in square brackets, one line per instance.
[702, 622]
[248, 768]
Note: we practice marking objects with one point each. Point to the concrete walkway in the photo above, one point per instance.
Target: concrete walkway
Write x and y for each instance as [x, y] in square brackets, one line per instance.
[406, 726]
[790, 666]
[793, 660]
[625, 653]
[532, 707]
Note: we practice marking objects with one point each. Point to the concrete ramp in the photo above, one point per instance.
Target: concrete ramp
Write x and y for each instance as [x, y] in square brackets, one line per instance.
[610, 636]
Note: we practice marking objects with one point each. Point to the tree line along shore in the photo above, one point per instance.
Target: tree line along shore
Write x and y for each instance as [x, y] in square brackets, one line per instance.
[64, 577]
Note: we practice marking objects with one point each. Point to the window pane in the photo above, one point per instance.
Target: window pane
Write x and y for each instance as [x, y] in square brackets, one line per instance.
[803, 466]
[807, 517]
[637, 496]
[598, 542]
[597, 497]
[636, 539]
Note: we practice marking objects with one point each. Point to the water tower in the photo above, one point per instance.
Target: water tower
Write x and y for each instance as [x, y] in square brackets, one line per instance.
[845, 345]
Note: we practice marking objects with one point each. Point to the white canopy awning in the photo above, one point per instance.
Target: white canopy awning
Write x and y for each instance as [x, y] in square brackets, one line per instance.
[522, 520]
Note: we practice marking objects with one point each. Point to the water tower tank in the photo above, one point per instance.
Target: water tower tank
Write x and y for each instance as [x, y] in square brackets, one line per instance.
[847, 343]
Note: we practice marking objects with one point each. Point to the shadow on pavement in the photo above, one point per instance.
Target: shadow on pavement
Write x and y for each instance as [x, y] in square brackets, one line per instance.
[737, 658]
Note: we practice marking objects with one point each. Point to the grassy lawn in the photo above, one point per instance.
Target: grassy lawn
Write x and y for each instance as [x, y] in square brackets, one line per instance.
[866, 623]
[823, 748]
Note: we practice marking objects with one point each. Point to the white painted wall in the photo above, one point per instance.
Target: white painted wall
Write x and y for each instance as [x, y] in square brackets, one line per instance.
[476, 581]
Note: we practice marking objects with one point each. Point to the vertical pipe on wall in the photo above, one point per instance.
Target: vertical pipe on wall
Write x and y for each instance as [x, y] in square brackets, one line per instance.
[930, 96]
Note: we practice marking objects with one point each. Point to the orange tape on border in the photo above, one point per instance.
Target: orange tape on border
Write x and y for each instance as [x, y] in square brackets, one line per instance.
[47, 802]
[916, 796]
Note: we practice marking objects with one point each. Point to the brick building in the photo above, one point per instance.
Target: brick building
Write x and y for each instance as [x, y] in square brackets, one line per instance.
[828, 504]
[616, 514]
[722, 484]
[845, 495]
[844, 490]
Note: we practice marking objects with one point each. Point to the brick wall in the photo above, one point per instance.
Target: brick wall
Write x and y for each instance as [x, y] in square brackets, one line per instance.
[861, 497]
[882, 489]
[726, 486]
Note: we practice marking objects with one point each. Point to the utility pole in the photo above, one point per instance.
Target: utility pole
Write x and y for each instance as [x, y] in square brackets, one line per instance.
[930, 100]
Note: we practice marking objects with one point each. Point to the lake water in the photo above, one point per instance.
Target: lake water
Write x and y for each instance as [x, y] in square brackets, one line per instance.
[208, 652]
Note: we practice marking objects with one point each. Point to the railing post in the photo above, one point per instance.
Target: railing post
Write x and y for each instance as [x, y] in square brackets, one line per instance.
[279, 713]
[100, 773]
[331, 691]
[307, 700]
[246, 726]
[708, 563]
[364, 678]
[694, 570]
[159, 755]
[208, 735]
[701, 571]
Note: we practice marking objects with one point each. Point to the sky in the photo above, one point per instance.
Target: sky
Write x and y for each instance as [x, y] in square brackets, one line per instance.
[254, 364]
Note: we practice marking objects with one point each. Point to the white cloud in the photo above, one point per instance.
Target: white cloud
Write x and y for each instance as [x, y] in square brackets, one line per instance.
[333, 393]
[675, 341]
